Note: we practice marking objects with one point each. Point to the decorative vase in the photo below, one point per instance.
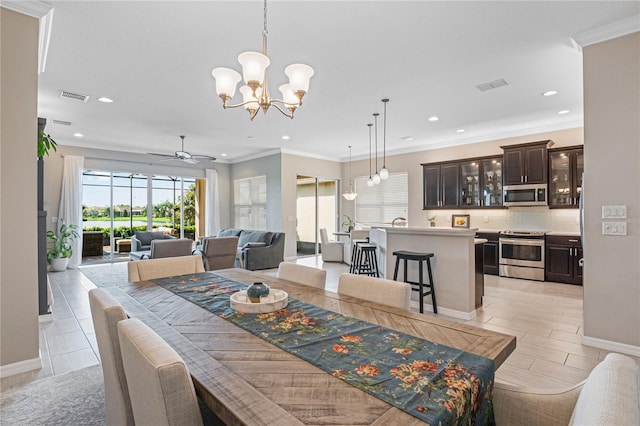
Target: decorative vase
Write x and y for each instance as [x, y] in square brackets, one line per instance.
[256, 290]
[59, 264]
[432, 224]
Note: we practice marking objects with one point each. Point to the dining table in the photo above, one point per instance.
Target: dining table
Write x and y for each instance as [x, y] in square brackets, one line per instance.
[246, 379]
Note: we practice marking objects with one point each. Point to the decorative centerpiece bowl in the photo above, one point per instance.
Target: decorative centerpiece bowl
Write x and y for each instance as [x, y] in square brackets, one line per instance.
[269, 302]
[256, 290]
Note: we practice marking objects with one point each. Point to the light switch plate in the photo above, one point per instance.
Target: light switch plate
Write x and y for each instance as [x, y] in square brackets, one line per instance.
[614, 228]
[614, 212]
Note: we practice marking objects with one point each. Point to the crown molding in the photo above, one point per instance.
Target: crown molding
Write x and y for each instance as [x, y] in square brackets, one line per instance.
[35, 9]
[607, 32]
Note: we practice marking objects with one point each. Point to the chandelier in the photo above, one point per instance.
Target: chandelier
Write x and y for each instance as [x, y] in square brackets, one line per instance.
[255, 92]
[350, 195]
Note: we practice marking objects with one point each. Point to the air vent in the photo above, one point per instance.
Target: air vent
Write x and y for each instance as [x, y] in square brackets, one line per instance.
[76, 96]
[60, 122]
[492, 85]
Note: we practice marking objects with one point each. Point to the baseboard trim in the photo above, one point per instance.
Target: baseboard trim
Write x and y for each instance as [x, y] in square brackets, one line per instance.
[20, 367]
[48, 317]
[611, 346]
[446, 311]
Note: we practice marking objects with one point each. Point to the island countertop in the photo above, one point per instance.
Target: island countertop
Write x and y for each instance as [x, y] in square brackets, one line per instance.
[436, 231]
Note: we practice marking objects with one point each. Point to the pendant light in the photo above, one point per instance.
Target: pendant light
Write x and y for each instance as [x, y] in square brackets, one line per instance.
[376, 176]
[384, 173]
[370, 180]
[350, 195]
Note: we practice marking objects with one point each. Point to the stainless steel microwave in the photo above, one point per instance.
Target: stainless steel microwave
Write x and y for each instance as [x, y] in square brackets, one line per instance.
[525, 195]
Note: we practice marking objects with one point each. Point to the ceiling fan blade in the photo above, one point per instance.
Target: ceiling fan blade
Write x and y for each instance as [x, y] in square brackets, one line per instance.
[203, 157]
[190, 161]
[162, 155]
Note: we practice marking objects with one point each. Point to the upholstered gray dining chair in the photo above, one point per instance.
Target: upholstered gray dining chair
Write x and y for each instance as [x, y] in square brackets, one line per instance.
[160, 385]
[302, 274]
[378, 290]
[106, 312]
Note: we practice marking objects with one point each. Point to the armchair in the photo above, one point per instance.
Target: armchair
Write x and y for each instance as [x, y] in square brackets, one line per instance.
[141, 240]
[218, 252]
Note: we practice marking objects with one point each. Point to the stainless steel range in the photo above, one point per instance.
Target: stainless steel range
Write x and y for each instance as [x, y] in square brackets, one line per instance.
[522, 254]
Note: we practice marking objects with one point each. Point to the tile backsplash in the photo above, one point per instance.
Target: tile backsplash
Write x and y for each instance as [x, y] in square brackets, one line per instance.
[513, 218]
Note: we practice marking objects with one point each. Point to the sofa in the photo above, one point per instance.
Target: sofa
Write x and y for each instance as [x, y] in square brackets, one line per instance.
[141, 240]
[257, 249]
[609, 396]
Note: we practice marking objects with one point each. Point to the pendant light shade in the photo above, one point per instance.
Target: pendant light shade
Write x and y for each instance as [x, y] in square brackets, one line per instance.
[350, 195]
[384, 173]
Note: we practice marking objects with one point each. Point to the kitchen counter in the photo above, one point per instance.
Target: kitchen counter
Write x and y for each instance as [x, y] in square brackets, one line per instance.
[453, 263]
[568, 234]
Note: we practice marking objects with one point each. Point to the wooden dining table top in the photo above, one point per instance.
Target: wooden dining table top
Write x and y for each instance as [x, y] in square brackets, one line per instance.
[246, 380]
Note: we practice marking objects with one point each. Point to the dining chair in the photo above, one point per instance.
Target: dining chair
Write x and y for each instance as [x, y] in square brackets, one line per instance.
[332, 251]
[106, 312]
[160, 385]
[302, 274]
[143, 270]
[378, 290]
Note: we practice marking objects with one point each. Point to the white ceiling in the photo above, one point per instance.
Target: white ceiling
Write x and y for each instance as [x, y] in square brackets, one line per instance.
[155, 60]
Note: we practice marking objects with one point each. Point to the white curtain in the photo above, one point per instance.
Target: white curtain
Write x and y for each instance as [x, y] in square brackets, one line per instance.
[70, 210]
[212, 204]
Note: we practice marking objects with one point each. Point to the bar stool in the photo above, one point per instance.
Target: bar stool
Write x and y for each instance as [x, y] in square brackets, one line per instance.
[355, 252]
[420, 285]
[367, 261]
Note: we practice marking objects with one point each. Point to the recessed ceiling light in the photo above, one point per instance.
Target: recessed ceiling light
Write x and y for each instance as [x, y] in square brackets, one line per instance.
[78, 135]
[460, 130]
[564, 111]
[223, 155]
[433, 118]
[286, 138]
[550, 93]
[407, 138]
[249, 137]
[105, 99]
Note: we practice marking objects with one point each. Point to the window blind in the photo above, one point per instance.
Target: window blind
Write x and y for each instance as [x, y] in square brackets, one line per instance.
[384, 202]
[250, 203]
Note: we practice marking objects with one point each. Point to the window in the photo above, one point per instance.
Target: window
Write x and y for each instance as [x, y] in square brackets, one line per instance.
[250, 203]
[384, 202]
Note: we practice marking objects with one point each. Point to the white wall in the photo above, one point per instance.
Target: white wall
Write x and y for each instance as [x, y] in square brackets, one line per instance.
[612, 164]
[18, 188]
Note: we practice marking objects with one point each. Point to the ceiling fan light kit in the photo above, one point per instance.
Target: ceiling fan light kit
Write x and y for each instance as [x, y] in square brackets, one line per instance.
[255, 93]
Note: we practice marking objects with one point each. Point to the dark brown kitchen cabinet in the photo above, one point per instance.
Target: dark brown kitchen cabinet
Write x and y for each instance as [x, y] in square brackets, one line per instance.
[481, 182]
[490, 252]
[525, 163]
[565, 177]
[563, 254]
[441, 185]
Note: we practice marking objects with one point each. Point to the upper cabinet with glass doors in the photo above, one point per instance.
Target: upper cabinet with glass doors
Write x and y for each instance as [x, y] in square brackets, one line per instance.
[565, 177]
[481, 182]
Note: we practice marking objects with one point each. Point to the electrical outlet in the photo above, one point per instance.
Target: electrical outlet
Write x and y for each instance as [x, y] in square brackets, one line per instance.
[614, 228]
[614, 212]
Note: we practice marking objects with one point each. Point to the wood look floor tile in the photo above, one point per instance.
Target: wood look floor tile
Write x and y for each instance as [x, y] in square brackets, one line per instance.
[563, 372]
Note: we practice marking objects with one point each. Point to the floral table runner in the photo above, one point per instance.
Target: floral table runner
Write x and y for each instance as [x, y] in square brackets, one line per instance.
[433, 382]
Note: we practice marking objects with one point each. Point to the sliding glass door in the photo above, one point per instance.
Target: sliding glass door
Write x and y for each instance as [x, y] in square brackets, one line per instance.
[317, 207]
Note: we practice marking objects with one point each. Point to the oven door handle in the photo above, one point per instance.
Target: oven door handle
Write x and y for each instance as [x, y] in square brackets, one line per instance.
[522, 242]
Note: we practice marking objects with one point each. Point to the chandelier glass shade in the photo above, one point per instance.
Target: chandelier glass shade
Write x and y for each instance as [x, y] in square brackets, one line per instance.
[350, 195]
[255, 92]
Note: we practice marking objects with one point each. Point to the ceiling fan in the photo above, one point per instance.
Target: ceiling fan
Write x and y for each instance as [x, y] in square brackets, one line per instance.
[185, 156]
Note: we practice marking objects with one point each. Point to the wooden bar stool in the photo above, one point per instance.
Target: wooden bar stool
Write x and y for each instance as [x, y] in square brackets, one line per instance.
[367, 261]
[355, 252]
[420, 285]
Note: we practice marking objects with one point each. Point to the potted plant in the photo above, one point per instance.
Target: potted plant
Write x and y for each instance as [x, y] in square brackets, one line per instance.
[62, 249]
[348, 224]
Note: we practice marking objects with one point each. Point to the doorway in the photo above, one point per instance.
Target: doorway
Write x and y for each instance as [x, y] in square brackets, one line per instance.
[316, 207]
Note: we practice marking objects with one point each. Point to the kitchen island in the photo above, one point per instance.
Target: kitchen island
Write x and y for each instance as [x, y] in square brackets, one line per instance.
[453, 263]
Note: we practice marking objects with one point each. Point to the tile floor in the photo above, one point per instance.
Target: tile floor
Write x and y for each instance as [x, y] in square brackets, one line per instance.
[545, 317]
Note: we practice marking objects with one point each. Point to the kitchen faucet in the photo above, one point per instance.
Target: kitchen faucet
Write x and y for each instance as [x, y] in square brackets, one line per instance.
[393, 222]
